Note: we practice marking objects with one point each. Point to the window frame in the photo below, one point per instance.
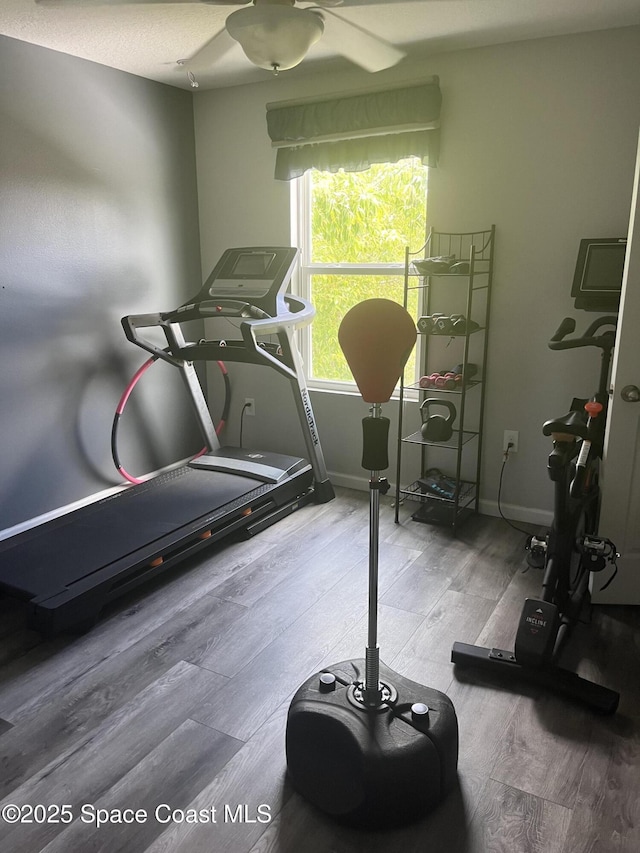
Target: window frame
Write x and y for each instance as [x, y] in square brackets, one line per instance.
[300, 218]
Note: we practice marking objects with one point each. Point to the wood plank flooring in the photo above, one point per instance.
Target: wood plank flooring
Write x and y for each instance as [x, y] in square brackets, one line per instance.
[178, 698]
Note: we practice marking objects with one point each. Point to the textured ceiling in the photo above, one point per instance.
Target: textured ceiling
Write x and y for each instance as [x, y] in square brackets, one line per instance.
[148, 38]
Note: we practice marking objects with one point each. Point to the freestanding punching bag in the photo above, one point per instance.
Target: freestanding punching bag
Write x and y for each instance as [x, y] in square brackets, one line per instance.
[364, 744]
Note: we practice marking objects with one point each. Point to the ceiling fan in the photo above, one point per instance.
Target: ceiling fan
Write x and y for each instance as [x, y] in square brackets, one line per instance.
[277, 34]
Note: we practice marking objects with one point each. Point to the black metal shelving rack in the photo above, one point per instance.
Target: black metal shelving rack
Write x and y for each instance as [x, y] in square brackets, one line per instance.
[471, 290]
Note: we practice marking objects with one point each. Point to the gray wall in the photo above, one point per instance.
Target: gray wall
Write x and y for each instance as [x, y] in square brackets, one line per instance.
[98, 220]
[100, 217]
[538, 137]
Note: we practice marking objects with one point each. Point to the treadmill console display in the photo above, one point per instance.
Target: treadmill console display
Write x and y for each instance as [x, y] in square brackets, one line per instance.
[250, 264]
[258, 275]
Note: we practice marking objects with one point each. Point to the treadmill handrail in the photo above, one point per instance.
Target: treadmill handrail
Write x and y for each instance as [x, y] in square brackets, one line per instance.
[301, 314]
[133, 322]
[289, 364]
[283, 325]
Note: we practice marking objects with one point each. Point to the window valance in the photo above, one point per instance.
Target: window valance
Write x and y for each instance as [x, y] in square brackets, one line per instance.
[353, 131]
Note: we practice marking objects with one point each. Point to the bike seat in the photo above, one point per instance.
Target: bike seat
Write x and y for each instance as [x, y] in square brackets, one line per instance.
[573, 423]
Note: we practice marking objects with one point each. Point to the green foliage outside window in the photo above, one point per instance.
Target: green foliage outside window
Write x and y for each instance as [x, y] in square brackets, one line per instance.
[361, 218]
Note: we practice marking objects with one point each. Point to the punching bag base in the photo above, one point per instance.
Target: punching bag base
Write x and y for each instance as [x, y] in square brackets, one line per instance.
[371, 767]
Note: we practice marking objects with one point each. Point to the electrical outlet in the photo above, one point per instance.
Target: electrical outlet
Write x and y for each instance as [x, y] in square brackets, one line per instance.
[250, 406]
[510, 438]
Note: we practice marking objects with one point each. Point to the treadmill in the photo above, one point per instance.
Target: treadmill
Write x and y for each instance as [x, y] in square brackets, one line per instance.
[68, 568]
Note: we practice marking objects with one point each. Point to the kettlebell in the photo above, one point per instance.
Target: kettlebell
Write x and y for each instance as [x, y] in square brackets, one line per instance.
[437, 427]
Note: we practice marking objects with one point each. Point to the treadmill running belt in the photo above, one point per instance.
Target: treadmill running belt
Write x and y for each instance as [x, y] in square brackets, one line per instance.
[49, 557]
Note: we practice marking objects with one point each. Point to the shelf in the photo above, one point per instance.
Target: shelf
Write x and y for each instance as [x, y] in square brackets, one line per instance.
[454, 334]
[480, 266]
[426, 285]
[416, 492]
[434, 513]
[472, 383]
[448, 274]
[476, 250]
[452, 444]
[433, 509]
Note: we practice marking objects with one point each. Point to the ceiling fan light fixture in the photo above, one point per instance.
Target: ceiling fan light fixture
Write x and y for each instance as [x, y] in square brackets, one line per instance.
[275, 37]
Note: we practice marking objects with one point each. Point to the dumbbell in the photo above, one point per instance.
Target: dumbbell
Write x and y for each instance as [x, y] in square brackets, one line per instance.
[443, 325]
[427, 323]
[465, 374]
[461, 325]
[445, 381]
[455, 324]
[429, 381]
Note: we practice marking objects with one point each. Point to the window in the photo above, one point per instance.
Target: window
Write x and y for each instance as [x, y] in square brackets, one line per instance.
[353, 228]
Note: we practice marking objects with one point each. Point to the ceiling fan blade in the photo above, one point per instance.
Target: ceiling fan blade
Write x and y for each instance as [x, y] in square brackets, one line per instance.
[346, 4]
[87, 3]
[359, 46]
[209, 53]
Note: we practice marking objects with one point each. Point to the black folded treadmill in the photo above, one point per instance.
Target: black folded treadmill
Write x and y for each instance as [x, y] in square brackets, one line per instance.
[68, 568]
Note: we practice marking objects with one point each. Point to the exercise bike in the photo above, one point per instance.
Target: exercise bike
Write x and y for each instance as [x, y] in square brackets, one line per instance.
[571, 550]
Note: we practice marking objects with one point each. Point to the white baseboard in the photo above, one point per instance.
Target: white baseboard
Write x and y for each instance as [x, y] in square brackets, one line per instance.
[513, 512]
[526, 514]
[349, 481]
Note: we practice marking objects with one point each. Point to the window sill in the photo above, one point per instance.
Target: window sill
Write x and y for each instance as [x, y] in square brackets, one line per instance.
[350, 389]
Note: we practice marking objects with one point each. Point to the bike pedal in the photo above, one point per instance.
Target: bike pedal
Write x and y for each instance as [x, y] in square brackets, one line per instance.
[537, 630]
[594, 562]
[597, 552]
[536, 552]
[535, 558]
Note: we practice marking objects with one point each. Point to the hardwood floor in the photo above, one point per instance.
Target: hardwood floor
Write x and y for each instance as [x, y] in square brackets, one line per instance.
[178, 698]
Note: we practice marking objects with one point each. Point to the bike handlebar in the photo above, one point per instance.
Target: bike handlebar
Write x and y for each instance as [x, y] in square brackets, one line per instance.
[605, 340]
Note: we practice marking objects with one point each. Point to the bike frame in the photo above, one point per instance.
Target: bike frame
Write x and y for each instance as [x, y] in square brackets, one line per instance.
[571, 549]
[576, 491]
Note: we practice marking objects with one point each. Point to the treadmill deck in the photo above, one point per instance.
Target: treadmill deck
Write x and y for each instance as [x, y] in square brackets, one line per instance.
[94, 554]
